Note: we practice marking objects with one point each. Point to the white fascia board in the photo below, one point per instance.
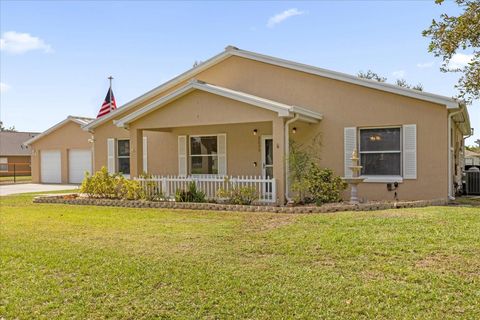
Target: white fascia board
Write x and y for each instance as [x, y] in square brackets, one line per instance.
[306, 112]
[282, 109]
[155, 91]
[448, 102]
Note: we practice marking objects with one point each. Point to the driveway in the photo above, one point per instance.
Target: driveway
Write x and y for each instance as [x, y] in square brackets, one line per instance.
[33, 187]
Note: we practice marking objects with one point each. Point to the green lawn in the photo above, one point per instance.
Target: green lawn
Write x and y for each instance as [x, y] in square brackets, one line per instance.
[77, 262]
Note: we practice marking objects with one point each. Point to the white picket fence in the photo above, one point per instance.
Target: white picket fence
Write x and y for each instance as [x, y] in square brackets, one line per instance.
[210, 184]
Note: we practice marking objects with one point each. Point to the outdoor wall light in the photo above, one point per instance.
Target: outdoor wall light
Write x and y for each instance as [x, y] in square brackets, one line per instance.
[255, 164]
[255, 132]
[294, 130]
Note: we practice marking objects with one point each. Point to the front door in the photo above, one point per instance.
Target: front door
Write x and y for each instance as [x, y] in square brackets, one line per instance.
[267, 156]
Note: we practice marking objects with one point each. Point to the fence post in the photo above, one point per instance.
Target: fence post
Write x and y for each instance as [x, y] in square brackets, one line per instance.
[274, 190]
[14, 174]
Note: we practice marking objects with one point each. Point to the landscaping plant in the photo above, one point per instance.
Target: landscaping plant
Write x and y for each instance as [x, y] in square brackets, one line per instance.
[311, 183]
[238, 195]
[192, 194]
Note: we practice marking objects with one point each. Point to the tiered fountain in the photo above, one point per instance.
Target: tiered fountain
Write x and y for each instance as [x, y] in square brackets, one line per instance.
[355, 179]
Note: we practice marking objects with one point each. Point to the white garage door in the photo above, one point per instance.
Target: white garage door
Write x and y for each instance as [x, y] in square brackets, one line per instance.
[50, 166]
[79, 161]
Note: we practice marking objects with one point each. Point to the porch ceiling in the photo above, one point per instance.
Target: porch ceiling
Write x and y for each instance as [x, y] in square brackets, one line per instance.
[282, 109]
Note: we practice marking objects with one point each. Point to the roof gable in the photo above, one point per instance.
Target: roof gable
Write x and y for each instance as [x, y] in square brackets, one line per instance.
[81, 121]
[282, 109]
[233, 51]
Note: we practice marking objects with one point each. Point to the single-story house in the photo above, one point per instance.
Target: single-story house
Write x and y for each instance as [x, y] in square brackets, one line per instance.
[14, 155]
[62, 153]
[236, 114]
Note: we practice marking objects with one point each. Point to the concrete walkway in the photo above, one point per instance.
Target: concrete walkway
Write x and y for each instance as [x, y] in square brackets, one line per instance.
[33, 187]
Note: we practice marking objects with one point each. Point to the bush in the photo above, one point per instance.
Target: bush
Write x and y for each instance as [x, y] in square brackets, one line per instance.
[154, 193]
[190, 195]
[242, 195]
[312, 183]
[323, 186]
[102, 184]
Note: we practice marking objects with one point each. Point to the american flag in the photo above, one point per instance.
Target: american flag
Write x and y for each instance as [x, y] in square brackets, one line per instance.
[108, 105]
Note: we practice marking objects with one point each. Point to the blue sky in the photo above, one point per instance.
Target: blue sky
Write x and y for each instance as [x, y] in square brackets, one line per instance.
[61, 66]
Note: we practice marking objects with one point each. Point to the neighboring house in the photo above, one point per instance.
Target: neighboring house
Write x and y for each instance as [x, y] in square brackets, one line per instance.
[62, 153]
[472, 159]
[14, 155]
[235, 114]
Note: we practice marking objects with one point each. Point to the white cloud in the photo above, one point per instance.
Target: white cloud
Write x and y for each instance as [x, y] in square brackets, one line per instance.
[399, 73]
[280, 17]
[4, 87]
[426, 64]
[18, 43]
[459, 60]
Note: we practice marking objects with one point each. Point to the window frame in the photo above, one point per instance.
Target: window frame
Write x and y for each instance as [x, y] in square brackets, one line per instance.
[117, 157]
[190, 155]
[381, 178]
[3, 163]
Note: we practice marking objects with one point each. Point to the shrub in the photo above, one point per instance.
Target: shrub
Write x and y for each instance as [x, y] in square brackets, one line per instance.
[154, 193]
[312, 183]
[100, 184]
[190, 195]
[323, 186]
[241, 195]
[128, 189]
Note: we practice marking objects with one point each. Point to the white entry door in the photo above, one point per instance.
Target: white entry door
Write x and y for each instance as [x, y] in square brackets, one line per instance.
[267, 156]
[50, 166]
[79, 162]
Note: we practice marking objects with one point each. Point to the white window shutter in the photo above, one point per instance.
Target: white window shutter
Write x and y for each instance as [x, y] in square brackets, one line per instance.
[145, 155]
[182, 155]
[349, 144]
[111, 155]
[410, 151]
[222, 154]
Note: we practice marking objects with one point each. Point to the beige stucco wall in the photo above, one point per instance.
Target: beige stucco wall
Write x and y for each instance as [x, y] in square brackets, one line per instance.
[69, 136]
[342, 105]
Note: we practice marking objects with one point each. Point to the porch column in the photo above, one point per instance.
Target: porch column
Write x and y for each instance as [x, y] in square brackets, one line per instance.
[136, 152]
[279, 157]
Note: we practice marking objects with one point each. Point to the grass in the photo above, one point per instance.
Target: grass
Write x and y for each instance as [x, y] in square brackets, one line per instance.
[9, 179]
[77, 262]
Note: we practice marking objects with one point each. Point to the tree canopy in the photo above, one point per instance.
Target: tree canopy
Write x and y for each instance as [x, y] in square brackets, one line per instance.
[459, 35]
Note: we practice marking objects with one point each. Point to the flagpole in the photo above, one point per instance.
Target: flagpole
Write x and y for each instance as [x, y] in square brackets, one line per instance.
[110, 92]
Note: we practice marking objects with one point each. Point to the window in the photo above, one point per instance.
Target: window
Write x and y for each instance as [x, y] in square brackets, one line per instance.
[381, 152]
[3, 164]
[123, 156]
[203, 155]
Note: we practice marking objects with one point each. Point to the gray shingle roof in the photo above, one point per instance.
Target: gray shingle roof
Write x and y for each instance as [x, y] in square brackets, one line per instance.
[11, 143]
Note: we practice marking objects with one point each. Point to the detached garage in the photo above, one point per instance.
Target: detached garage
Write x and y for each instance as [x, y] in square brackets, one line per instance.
[63, 153]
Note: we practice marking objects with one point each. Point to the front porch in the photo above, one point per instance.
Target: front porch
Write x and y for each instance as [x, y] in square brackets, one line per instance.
[203, 129]
[213, 157]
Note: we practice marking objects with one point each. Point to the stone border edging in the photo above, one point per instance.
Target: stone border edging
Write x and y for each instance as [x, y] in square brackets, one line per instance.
[336, 207]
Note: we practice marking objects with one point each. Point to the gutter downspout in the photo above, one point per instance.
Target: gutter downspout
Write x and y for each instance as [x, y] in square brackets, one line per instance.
[287, 155]
[451, 195]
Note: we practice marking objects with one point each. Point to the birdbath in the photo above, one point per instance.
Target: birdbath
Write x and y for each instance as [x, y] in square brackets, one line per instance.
[355, 179]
